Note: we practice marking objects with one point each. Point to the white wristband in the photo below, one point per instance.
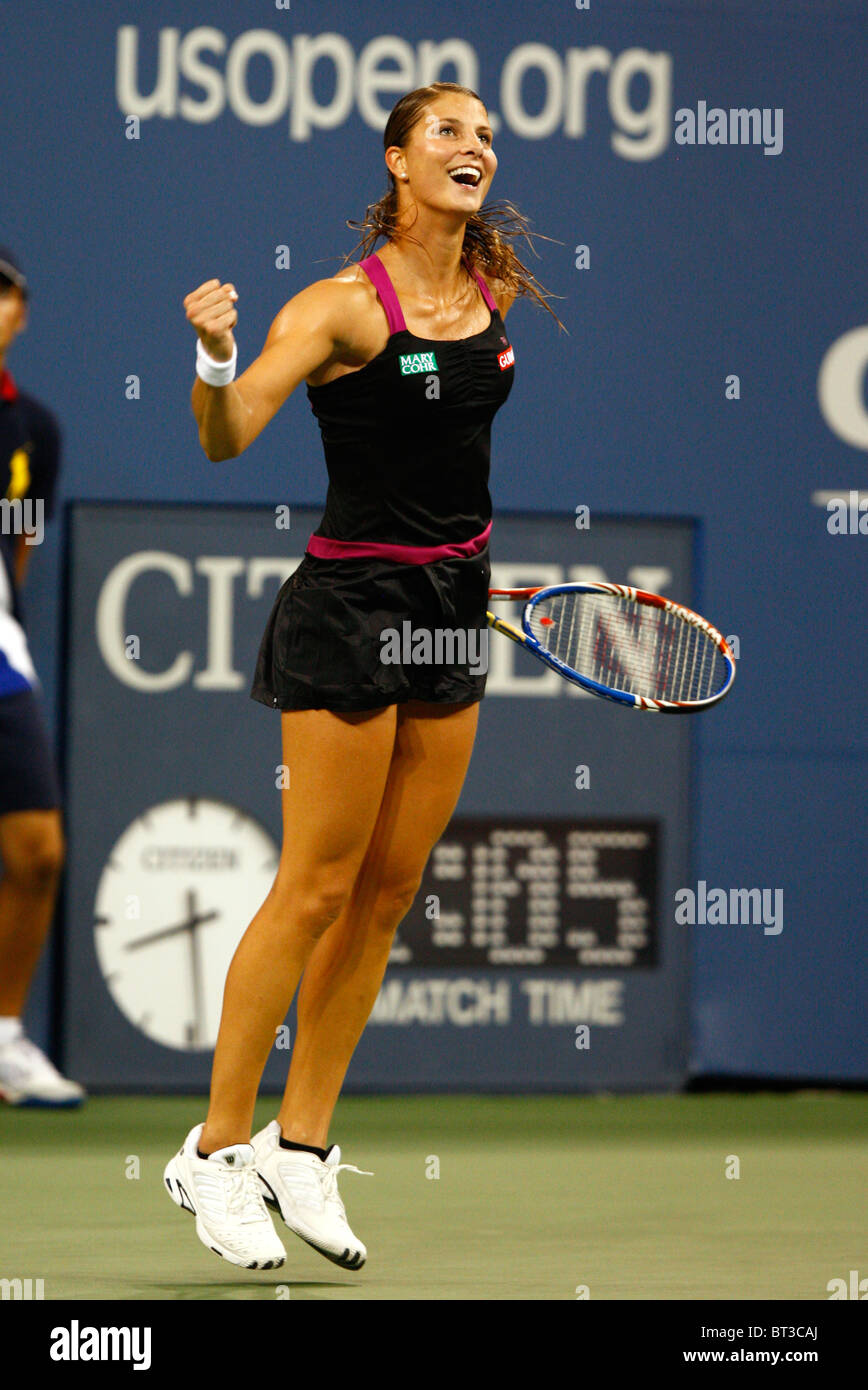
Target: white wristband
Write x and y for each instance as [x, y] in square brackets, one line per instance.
[213, 372]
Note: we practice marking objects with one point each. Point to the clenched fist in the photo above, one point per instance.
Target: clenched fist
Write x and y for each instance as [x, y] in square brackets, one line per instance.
[211, 310]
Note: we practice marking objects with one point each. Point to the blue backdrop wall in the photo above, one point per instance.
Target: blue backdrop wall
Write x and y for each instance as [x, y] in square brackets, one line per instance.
[714, 365]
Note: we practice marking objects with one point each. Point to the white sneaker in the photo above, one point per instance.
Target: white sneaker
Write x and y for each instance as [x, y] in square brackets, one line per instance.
[222, 1192]
[304, 1189]
[28, 1078]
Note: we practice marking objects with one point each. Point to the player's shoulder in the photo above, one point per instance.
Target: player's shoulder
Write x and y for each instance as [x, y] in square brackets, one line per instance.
[337, 299]
[503, 295]
[342, 307]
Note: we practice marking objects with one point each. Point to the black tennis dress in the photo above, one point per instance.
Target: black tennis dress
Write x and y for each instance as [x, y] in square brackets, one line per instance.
[402, 548]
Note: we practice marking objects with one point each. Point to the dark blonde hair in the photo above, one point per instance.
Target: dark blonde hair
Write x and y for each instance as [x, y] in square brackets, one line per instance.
[486, 234]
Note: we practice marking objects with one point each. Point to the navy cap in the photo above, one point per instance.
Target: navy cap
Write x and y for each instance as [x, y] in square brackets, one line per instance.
[11, 270]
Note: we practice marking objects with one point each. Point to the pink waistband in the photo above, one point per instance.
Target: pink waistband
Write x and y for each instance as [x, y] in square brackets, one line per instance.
[325, 549]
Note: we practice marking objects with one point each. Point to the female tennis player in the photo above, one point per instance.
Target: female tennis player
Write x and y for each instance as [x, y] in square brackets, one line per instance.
[406, 361]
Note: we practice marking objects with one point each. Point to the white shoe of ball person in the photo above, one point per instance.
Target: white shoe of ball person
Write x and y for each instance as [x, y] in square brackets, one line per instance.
[304, 1189]
[222, 1192]
[28, 1078]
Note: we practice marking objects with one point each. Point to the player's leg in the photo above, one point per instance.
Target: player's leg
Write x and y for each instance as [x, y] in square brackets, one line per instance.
[31, 850]
[337, 766]
[32, 853]
[342, 979]
[432, 752]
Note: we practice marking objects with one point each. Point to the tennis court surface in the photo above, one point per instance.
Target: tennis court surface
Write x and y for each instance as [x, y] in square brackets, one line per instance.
[537, 1198]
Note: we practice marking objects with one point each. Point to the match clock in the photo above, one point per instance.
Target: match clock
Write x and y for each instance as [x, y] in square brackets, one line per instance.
[178, 890]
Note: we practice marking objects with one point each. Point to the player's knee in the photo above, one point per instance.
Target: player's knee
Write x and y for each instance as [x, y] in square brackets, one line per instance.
[395, 898]
[36, 858]
[319, 903]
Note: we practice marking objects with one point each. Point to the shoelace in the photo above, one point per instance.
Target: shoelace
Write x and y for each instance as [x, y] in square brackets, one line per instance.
[330, 1182]
[244, 1198]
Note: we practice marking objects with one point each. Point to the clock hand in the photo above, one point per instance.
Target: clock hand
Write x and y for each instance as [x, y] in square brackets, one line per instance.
[196, 968]
[187, 925]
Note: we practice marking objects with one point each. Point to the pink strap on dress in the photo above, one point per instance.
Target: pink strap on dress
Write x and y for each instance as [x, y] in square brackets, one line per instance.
[486, 292]
[379, 278]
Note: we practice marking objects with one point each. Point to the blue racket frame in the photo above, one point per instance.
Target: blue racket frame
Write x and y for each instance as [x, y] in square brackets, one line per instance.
[620, 697]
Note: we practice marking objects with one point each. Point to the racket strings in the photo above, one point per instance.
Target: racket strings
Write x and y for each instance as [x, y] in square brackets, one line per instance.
[629, 646]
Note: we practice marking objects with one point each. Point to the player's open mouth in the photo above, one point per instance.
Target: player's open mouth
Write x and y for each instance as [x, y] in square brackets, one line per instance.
[466, 174]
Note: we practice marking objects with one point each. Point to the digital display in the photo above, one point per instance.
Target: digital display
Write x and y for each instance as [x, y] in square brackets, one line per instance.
[529, 893]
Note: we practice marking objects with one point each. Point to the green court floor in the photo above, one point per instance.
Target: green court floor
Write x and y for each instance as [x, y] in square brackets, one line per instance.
[536, 1198]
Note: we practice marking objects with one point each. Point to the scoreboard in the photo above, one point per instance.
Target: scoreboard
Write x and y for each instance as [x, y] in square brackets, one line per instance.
[529, 893]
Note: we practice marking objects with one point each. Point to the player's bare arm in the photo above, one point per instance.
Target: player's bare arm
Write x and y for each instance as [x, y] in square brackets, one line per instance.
[325, 323]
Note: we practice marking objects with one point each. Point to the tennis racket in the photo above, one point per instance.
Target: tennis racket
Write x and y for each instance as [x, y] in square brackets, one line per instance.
[622, 643]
